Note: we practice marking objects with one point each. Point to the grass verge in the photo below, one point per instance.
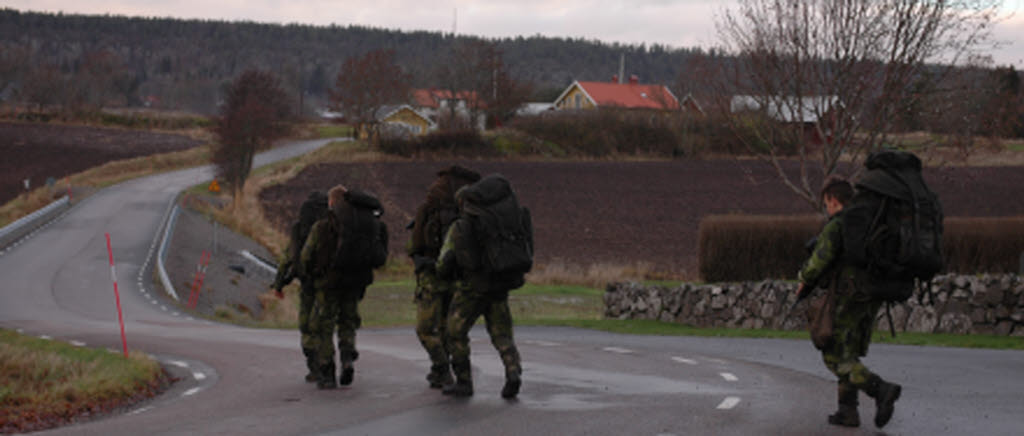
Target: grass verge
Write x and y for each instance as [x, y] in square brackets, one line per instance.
[47, 383]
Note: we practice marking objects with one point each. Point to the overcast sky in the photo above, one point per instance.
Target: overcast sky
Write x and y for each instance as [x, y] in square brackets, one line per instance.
[676, 23]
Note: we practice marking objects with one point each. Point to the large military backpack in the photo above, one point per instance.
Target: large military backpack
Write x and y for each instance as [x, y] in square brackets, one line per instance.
[363, 241]
[893, 226]
[503, 229]
[442, 210]
[313, 209]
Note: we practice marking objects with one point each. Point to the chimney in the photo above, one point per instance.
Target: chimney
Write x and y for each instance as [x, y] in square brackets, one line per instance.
[615, 78]
[633, 79]
[622, 68]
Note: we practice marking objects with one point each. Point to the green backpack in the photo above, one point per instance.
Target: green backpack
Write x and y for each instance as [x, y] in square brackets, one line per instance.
[363, 241]
[503, 229]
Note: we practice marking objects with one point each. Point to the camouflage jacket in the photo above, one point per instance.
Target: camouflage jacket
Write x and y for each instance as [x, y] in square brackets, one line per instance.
[319, 251]
[460, 260]
[825, 264]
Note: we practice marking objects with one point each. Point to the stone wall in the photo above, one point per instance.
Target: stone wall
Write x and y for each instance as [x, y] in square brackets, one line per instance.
[986, 304]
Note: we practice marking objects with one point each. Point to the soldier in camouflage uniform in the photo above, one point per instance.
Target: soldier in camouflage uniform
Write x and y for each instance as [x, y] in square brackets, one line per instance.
[434, 294]
[289, 268]
[854, 317]
[336, 298]
[476, 294]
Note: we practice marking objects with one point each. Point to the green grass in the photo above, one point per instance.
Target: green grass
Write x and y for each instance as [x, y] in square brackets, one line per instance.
[54, 380]
[333, 131]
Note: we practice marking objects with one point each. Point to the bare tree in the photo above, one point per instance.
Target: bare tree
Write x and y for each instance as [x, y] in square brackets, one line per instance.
[366, 83]
[255, 112]
[825, 80]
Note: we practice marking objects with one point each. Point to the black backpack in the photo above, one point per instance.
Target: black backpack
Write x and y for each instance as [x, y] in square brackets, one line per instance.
[503, 229]
[893, 226]
[363, 241]
[312, 210]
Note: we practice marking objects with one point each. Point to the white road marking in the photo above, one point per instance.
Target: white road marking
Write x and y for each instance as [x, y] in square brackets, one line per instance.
[178, 363]
[617, 350]
[141, 410]
[728, 403]
[718, 361]
[152, 301]
[175, 314]
[199, 376]
[684, 360]
[544, 343]
[191, 392]
[728, 376]
[77, 343]
[45, 337]
[190, 318]
[164, 308]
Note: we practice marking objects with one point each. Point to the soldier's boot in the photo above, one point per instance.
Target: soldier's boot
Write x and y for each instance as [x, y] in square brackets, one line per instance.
[847, 415]
[325, 379]
[440, 375]
[463, 385]
[512, 383]
[311, 376]
[347, 370]
[885, 395]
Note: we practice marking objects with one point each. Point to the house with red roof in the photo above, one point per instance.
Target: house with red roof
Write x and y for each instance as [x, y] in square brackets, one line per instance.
[632, 95]
[437, 103]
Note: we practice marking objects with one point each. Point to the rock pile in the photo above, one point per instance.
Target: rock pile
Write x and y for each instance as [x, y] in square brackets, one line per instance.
[985, 304]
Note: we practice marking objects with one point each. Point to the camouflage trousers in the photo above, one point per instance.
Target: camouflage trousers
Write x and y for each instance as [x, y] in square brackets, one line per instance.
[307, 295]
[334, 309]
[433, 297]
[852, 328]
[467, 305]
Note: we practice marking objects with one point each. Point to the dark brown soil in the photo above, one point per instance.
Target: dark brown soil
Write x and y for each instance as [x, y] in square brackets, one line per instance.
[623, 213]
[41, 151]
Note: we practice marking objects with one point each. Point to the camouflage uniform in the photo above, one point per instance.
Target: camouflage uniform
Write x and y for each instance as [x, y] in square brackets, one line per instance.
[336, 301]
[853, 322]
[288, 269]
[476, 295]
[433, 293]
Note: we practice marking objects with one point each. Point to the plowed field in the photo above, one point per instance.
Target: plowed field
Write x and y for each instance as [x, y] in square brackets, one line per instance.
[626, 212]
[41, 151]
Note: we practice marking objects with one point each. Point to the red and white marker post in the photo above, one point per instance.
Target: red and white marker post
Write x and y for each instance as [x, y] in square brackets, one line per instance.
[197, 281]
[117, 296]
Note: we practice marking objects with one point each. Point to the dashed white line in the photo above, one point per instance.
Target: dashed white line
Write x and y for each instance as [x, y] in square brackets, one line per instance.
[617, 350]
[77, 343]
[544, 343]
[684, 360]
[199, 376]
[178, 363]
[164, 308]
[140, 410]
[728, 403]
[190, 392]
[728, 376]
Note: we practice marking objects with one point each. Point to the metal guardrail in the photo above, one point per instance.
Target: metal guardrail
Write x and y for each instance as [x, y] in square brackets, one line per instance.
[25, 225]
[161, 256]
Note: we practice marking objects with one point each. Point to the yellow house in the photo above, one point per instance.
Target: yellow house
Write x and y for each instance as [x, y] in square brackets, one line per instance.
[632, 95]
[400, 120]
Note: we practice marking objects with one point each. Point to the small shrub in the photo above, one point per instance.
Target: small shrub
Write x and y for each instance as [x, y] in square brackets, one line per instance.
[983, 245]
[455, 143]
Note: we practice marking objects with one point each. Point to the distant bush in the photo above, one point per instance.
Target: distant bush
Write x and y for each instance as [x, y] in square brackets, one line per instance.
[459, 143]
[753, 247]
[746, 247]
[608, 132]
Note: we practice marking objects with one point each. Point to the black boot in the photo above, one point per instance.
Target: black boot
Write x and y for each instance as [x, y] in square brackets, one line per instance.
[439, 376]
[347, 370]
[885, 395]
[311, 376]
[512, 383]
[461, 388]
[847, 415]
[326, 378]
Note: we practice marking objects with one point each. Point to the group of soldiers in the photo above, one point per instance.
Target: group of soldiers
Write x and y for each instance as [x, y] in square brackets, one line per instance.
[452, 290]
[452, 293]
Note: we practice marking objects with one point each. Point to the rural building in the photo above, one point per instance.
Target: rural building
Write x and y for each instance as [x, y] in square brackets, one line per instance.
[632, 95]
[400, 120]
[814, 114]
[438, 103]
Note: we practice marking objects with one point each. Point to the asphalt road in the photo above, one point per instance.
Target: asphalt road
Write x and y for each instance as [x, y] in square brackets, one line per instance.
[236, 381]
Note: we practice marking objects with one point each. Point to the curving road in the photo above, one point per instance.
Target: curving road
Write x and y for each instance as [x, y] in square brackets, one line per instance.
[57, 283]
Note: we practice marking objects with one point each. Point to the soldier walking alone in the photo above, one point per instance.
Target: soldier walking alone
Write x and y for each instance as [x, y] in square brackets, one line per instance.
[340, 254]
[853, 316]
[433, 293]
[486, 251]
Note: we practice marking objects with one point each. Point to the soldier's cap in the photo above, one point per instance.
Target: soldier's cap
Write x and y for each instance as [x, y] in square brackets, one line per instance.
[460, 172]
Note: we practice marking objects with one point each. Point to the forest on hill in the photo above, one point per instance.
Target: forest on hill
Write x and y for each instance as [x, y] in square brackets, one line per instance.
[182, 64]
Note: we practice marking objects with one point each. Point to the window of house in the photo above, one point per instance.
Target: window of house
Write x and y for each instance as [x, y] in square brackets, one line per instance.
[578, 99]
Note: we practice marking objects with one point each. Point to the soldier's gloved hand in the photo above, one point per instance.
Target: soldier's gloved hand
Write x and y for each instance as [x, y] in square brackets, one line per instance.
[423, 263]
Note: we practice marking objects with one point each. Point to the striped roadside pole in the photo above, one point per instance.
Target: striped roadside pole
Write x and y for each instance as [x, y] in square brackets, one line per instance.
[117, 296]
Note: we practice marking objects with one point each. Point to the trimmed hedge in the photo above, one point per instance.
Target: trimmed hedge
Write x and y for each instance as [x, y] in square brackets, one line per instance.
[758, 247]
